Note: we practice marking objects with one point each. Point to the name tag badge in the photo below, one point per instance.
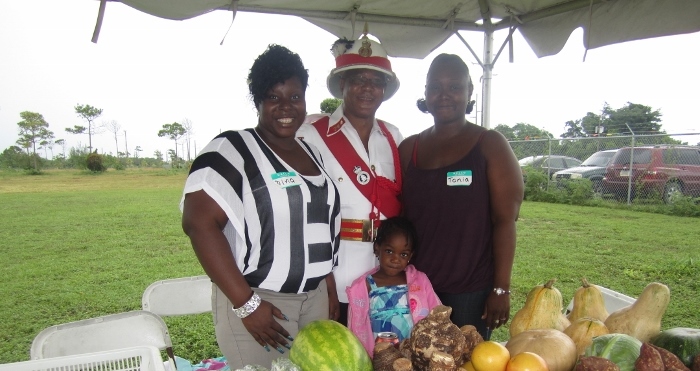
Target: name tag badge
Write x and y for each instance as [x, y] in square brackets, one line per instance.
[459, 178]
[286, 179]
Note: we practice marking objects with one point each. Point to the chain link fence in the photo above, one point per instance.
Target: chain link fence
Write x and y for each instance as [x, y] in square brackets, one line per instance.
[649, 167]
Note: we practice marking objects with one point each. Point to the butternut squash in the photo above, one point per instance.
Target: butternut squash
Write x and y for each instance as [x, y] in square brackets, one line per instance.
[642, 319]
[542, 310]
[588, 302]
[557, 349]
[583, 330]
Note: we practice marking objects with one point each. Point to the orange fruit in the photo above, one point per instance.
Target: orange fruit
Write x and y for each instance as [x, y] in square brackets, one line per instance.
[490, 356]
[468, 366]
[527, 361]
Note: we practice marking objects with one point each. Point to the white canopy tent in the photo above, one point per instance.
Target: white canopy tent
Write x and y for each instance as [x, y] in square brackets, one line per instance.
[414, 28]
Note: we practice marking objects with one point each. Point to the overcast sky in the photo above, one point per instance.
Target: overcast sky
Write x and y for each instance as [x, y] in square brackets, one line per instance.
[145, 72]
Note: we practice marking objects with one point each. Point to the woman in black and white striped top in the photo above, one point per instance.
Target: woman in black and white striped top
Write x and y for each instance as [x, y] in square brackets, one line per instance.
[263, 219]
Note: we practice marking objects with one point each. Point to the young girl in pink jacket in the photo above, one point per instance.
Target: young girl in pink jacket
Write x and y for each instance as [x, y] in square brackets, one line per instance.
[393, 296]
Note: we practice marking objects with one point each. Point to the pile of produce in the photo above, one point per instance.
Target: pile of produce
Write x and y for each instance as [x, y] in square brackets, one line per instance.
[542, 338]
[435, 344]
[628, 339]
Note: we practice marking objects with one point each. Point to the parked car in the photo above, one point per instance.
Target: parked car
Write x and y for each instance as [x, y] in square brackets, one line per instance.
[549, 164]
[592, 168]
[654, 170]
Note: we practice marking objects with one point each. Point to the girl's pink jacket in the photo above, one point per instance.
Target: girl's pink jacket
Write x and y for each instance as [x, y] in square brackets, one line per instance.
[421, 299]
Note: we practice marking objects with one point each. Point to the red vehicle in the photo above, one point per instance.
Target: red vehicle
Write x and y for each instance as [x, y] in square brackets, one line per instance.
[661, 170]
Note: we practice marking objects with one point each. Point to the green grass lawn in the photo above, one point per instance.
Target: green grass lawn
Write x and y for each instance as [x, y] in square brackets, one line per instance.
[77, 245]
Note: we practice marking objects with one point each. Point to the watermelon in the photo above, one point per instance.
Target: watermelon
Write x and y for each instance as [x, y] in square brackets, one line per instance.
[326, 345]
[681, 341]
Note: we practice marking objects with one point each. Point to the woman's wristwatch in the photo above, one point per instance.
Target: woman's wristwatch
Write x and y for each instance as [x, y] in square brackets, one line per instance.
[249, 307]
[500, 291]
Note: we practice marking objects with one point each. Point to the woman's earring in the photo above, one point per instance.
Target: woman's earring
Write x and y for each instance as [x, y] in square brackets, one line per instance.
[422, 106]
[470, 106]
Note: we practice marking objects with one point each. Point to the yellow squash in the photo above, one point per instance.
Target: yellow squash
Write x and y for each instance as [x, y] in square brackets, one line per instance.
[583, 330]
[542, 310]
[588, 302]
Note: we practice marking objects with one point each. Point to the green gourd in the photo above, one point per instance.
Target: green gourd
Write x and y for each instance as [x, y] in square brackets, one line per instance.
[682, 341]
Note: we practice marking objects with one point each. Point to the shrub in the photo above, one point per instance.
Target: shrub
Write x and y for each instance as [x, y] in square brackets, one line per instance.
[684, 205]
[77, 158]
[578, 191]
[33, 171]
[94, 163]
[535, 184]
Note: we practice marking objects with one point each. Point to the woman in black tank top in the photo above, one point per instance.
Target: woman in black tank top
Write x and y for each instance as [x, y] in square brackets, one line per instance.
[462, 190]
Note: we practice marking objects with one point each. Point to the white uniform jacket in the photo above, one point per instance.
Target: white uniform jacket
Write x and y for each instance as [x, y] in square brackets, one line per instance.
[354, 257]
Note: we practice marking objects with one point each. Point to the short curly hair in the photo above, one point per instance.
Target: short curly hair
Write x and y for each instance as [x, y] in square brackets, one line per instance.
[275, 65]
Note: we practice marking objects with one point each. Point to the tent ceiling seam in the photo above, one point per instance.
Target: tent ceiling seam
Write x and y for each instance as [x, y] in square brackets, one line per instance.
[367, 17]
[560, 8]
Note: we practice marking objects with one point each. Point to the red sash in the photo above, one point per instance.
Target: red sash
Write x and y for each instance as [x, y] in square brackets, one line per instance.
[381, 192]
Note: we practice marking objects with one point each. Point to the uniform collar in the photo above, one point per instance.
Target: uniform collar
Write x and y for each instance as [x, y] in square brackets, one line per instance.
[337, 120]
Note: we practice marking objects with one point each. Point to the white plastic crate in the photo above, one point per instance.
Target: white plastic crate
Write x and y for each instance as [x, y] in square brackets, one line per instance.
[142, 358]
[613, 300]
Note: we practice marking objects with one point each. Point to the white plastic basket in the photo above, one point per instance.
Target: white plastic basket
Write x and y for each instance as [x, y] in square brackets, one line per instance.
[613, 300]
[142, 358]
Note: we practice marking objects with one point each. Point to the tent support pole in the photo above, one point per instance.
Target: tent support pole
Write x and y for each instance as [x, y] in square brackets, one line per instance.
[489, 61]
[486, 79]
[487, 65]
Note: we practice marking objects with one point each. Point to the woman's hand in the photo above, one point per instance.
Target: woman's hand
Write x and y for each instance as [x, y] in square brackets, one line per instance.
[262, 325]
[333, 302]
[496, 311]
[203, 220]
[333, 306]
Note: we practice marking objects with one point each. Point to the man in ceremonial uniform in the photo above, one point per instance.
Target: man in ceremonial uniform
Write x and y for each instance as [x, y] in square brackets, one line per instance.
[359, 153]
